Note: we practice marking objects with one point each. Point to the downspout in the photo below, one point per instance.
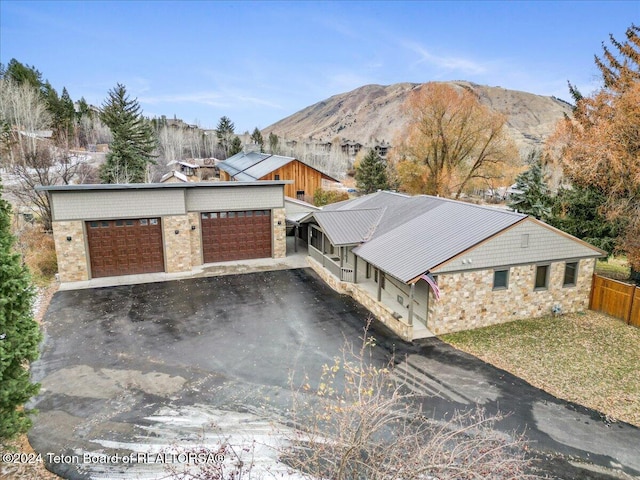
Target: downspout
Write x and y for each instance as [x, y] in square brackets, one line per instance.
[411, 292]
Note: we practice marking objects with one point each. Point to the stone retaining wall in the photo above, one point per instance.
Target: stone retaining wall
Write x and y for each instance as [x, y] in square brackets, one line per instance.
[380, 311]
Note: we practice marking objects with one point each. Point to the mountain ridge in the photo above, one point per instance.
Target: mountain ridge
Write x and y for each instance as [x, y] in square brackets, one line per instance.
[373, 113]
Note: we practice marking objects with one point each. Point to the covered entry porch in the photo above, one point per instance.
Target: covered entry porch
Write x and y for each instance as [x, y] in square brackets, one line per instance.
[402, 307]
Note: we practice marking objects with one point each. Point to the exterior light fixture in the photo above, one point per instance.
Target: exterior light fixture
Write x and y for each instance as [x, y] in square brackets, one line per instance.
[177, 232]
[68, 239]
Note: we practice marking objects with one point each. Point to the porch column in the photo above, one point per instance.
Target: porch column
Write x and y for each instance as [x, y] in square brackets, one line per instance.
[323, 249]
[295, 238]
[355, 268]
[380, 274]
[411, 292]
[341, 254]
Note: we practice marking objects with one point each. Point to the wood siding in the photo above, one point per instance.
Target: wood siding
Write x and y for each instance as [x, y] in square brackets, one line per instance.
[304, 178]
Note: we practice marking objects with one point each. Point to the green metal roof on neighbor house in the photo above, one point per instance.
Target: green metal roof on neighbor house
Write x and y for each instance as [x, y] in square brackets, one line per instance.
[408, 236]
[252, 166]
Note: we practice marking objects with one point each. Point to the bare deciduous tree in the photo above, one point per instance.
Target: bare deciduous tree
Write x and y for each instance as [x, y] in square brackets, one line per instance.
[361, 423]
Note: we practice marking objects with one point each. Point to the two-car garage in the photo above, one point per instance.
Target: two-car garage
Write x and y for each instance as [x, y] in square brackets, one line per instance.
[111, 230]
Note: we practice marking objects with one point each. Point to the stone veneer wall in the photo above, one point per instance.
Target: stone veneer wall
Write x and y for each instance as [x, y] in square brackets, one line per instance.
[177, 247]
[279, 232]
[468, 300]
[72, 256]
[195, 238]
[380, 311]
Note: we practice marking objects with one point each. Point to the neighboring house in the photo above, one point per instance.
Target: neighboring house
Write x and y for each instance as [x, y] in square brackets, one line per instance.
[110, 230]
[254, 166]
[174, 177]
[489, 265]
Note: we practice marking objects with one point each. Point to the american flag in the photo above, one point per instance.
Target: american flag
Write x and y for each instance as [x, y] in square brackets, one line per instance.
[427, 277]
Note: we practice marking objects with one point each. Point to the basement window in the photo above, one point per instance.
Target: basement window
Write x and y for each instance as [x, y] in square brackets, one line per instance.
[500, 279]
[542, 277]
[570, 274]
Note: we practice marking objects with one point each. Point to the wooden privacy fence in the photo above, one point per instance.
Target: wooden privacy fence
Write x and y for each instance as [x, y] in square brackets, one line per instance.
[615, 298]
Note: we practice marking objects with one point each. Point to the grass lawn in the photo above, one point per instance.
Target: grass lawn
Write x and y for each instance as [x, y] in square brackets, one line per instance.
[590, 358]
[614, 267]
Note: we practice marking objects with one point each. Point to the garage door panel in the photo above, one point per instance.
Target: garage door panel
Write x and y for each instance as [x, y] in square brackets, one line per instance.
[125, 247]
[241, 235]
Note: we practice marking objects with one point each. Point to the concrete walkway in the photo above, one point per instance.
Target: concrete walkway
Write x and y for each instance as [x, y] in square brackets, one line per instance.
[292, 260]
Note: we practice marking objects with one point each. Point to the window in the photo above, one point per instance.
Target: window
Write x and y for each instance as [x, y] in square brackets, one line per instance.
[570, 274]
[300, 194]
[223, 214]
[276, 177]
[205, 216]
[500, 279]
[104, 224]
[129, 223]
[143, 221]
[232, 214]
[524, 240]
[240, 214]
[119, 223]
[153, 221]
[542, 277]
[93, 224]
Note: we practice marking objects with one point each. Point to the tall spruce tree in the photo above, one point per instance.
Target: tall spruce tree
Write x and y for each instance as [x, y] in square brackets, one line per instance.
[131, 151]
[533, 198]
[19, 333]
[225, 132]
[371, 174]
[256, 137]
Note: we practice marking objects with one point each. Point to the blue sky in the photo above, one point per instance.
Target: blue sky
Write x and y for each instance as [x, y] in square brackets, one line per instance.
[258, 62]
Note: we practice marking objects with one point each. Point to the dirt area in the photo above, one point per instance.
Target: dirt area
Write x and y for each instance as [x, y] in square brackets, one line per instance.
[32, 467]
[590, 358]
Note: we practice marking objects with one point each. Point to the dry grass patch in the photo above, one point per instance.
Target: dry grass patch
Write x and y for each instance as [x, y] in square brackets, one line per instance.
[590, 359]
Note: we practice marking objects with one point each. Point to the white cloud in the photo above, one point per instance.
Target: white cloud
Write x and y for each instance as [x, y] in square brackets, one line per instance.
[212, 99]
[445, 62]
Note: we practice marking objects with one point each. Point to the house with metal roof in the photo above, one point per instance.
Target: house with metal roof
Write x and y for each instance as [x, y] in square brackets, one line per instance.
[427, 265]
[254, 166]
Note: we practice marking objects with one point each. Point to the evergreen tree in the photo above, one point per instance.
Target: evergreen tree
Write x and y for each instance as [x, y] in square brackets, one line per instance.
[236, 146]
[256, 137]
[131, 151]
[19, 333]
[21, 74]
[371, 173]
[579, 212]
[533, 199]
[273, 144]
[225, 132]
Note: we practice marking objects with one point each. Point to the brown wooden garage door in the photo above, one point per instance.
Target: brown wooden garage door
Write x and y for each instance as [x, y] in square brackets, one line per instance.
[125, 247]
[236, 235]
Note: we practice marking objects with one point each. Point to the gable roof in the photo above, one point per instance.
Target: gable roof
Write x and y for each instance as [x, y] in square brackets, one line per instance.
[407, 236]
[252, 166]
[348, 227]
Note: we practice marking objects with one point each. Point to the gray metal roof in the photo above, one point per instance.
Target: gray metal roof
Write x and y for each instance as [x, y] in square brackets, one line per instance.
[251, 166]
[138, 186]
[348, 227]
[411, 235]
[443, 230]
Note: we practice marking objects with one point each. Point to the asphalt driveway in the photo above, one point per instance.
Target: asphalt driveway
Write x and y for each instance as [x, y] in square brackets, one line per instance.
[138, 368]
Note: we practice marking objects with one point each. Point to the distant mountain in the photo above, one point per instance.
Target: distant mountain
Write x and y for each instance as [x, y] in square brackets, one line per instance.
[373, 113]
